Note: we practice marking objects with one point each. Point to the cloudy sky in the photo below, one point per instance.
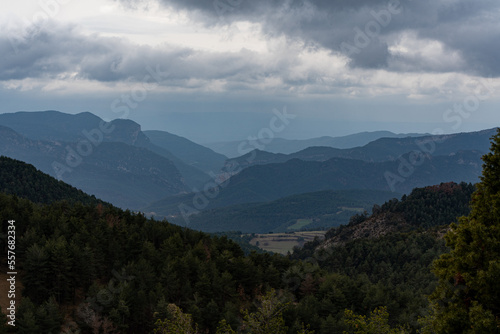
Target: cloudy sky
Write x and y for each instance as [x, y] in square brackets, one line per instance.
[215, 70]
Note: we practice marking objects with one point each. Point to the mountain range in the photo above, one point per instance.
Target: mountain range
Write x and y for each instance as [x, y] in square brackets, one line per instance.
[382, 149]
[263, 183]
[166, 175]
[288, 146]
[115, 161]
[125, 175]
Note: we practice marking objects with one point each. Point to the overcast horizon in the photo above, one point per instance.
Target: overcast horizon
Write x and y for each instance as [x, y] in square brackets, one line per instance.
[220, 70]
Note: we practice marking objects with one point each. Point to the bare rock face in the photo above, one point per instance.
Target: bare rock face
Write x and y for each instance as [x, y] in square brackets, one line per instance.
[128, 132]
[373, 227]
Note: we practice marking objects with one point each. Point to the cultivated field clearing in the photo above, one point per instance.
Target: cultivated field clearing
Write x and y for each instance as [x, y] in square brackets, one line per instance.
[284, 242]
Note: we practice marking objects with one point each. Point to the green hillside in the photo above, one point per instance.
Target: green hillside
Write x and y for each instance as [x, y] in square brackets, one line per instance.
[322, 209]
[25, 181]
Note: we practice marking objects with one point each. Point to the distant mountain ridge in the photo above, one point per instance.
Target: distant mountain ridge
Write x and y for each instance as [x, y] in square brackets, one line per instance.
[191, 153]
[383, 149]
[289, 146]
[263, 183]
[57, 126]
[121, 164]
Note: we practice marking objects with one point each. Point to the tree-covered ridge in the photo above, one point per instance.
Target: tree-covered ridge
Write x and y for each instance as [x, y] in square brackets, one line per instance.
[424, 208]
[391, 271]
[387, 255]
[119, 269]
[434, 205]
[24, 180]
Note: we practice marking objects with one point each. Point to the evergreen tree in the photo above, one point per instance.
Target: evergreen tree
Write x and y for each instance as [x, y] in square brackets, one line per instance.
[376, 323]
[224, 328]
[467, 297]
[268, 318]
[177, 323]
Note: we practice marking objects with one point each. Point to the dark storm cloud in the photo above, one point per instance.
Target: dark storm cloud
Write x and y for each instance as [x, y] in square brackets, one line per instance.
[59, 51]
[471, 28]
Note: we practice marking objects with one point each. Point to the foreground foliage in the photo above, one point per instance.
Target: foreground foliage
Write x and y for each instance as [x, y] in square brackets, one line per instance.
[467, 297]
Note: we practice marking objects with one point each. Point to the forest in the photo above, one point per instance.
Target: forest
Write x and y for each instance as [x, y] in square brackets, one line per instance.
[88, 267]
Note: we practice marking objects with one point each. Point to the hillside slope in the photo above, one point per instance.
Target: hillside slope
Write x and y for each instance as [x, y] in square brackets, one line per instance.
[312, 210]
[423, 208]
[25, 181]
[191, 153]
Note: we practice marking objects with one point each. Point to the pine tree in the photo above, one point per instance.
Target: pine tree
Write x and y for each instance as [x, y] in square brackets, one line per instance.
[268, 318]
[376, 323]
[467, 297]
[179, 322]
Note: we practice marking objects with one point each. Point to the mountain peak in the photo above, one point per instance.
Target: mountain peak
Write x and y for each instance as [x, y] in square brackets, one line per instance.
[129, 132]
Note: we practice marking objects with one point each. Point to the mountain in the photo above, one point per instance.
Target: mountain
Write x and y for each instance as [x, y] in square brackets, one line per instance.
[189, 152]
[84, 127]
[57, 126]
[50, 125]
[287, 146]
[382, 149]
[127, 176]
[25, 181]
[312, 211]
[263, 183]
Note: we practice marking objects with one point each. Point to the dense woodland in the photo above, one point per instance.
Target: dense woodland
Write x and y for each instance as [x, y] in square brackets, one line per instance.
[24, 180]
[94, 268]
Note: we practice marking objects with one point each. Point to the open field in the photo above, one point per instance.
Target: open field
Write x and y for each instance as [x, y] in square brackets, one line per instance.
[300, 224]
[345, 208]
[284, 242]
